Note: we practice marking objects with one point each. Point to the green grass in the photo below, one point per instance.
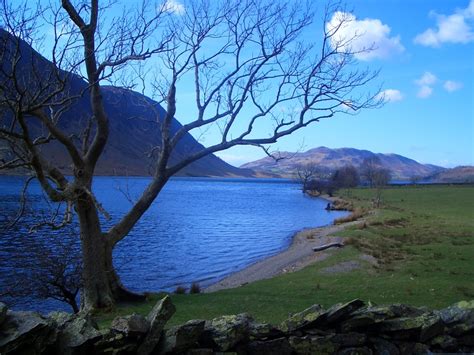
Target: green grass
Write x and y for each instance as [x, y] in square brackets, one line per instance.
[422, 237]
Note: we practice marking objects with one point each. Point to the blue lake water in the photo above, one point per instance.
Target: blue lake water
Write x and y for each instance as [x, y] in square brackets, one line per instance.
[198, 229]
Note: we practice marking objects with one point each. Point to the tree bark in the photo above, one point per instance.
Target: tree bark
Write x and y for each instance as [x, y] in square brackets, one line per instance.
[102, 287]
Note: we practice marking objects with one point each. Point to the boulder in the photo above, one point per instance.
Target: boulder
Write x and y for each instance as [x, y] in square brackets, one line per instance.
[157, 318]
[445, 343]
[313, 345]
[368, 316]
[304, 319]
[419, 328]
[133, 325]
[3, 312]
[383, 346]
[224, 333]
[279, 346]
[25, 332]
[182, 337]
[260, 331]
[459, 318]
[342, 311]
[78, 335]
[355, 351]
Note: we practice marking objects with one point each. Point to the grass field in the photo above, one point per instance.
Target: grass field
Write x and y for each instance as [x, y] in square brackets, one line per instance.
[422, 238]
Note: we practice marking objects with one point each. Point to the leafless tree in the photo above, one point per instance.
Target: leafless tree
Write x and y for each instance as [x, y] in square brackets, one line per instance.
[306, 173]
[47, 268]
[381, 178]
[260, 71]
[369, 168]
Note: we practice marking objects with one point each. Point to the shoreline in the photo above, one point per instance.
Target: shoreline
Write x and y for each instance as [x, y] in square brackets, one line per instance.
[298, 255]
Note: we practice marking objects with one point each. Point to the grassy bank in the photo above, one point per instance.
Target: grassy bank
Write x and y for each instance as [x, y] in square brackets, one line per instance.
[422, 239]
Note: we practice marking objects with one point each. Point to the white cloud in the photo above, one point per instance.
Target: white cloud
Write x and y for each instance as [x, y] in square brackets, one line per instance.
[425, 92]
[390, 95]
[455, 28]
[362, 35]
[427, 79]
[172, 7]
[450, 85]
[425, 83]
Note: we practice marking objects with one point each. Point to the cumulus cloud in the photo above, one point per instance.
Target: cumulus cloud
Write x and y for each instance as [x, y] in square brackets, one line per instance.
[424, 92]
[426, 83]
[455, 28]
[173, 7]
[368, 38]
[450, 85]
[390, 95]
[427, 79]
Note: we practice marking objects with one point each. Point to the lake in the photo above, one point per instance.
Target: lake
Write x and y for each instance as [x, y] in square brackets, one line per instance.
[198, 230]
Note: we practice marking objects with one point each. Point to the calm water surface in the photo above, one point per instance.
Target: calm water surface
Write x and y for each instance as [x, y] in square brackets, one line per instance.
[198, 229]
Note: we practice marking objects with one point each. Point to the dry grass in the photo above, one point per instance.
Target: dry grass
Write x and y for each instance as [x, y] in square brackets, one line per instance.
[354, 216]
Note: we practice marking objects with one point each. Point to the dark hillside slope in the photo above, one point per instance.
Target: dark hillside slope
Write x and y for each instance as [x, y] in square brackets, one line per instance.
[134, 129]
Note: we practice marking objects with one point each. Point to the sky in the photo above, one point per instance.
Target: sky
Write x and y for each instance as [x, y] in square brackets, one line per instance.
[425, 51]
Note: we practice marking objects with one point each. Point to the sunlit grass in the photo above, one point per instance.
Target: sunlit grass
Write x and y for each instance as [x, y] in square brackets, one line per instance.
[422, 238]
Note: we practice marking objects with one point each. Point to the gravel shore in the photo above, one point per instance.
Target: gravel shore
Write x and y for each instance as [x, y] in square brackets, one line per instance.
[297, 256]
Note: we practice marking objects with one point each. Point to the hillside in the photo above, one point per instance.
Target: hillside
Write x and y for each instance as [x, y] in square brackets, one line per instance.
[327, 159]
[459, 174]
[134, 123]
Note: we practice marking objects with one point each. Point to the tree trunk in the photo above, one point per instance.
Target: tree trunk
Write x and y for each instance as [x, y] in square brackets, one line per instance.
[102, 287]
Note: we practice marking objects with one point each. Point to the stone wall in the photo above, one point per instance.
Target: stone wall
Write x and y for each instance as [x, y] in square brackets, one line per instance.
[350, 328]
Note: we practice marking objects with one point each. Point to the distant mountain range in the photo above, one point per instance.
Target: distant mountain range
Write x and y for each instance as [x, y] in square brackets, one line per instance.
[460, 174]
[327, 159]
[134, 127]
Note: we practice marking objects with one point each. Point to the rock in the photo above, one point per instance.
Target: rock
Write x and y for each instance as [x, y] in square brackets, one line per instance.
[341, 311]
[303, 319]
[407, 348]
[25, 333]
[181, 338]
[158, 316]
[444, 342]
[355, 351]
[78, 335]
[200, 351]
[279, 346]
[459, 318]
[313, 345]
[133, 325]
[60, 318]
[367, 316]
[419, 328]
[3, 312]
[349, 339]
[261, 331]
[384, 347]
[226, 332]
[115, 343]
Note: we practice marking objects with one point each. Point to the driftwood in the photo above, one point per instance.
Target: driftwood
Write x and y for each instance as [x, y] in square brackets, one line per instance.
[327, 246]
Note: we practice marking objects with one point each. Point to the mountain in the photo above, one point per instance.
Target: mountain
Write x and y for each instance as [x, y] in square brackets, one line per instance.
[327, 159]
[134, 127]
[459, 174]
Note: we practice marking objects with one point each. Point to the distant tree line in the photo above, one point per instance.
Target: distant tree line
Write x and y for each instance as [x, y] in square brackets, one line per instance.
[370, 173]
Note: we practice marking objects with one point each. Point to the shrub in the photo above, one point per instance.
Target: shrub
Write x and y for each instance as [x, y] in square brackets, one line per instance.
[180, 290]
[195, 288]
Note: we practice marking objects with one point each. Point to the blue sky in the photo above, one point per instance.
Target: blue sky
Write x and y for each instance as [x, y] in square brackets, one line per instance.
[425, 50]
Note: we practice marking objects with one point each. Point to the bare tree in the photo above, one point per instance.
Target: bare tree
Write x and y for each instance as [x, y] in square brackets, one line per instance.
[47, 268]
[251, 65]
[306, 173]
[345, 177]
[369, 168]
[381, 178]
